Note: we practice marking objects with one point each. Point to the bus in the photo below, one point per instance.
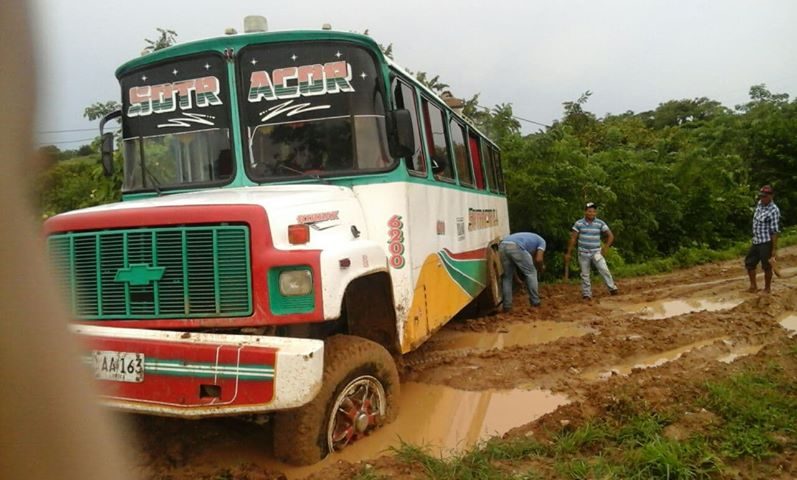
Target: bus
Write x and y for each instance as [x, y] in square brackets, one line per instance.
[298, 212]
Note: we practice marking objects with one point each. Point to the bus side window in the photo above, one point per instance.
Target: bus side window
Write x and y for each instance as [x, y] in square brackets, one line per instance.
[476, 160]
[460, 153]
[487, 156]
[499, 174]
[436, 141]
[404, 96]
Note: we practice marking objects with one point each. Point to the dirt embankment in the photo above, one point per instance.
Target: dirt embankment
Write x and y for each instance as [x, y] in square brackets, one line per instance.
[654, 343]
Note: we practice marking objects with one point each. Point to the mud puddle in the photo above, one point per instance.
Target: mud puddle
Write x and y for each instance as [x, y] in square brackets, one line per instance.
[443, 419]
[789, 322]
[645, 361]
[739, 352]
[669, 308]
[516, 334]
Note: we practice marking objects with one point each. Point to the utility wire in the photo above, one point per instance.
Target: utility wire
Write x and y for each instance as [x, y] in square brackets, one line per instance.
[42, 144]
[531, 121]
[76, 130]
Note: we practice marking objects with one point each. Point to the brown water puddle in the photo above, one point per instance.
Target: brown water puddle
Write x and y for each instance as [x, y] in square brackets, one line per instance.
[670, 308]
[645, 361]
[443, 419]
[789, 322]
[515, 334]
[739, 352]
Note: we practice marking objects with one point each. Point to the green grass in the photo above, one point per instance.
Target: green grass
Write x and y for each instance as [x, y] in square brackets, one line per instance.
[756, 415]
[758, 409]
[672, 460]
[367, 473]
[584, 438]
[484, 462]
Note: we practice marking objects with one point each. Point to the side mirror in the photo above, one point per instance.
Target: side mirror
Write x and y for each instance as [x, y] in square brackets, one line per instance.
[107, 143]
[400, 133]
[107, 153]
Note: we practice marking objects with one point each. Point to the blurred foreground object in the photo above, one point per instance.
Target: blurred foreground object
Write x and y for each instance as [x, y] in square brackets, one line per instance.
[50, 426]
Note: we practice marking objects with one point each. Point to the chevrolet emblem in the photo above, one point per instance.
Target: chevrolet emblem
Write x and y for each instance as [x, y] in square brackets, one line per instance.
[139, 274]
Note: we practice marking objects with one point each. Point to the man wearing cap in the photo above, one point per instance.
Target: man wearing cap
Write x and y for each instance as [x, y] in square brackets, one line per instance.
[588, 232]
[521, 250]
[766, 226]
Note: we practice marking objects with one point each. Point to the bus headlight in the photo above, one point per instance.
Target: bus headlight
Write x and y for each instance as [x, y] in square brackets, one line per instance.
[295, 282]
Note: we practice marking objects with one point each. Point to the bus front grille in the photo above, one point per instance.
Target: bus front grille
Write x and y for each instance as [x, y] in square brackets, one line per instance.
[155, 273]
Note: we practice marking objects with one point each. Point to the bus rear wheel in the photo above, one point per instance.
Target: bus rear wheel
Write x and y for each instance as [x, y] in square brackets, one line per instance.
[490, 299]
[359, 394]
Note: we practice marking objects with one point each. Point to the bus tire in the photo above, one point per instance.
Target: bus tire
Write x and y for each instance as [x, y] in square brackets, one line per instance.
[359, 393]
[489, 301]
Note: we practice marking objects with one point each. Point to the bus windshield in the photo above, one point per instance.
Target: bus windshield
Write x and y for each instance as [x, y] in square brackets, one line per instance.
[312, 108]
[176, 125]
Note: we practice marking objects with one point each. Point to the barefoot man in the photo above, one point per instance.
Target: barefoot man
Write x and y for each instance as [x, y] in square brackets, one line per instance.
[766, 226]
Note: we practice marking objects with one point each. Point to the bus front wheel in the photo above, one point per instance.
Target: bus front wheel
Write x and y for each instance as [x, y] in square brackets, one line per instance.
[359, 394]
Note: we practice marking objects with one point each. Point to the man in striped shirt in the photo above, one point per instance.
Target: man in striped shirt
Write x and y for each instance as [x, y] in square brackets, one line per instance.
[766, 226]
[588, 232]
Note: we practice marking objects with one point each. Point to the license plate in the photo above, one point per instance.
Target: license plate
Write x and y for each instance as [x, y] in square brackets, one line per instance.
[119, 366]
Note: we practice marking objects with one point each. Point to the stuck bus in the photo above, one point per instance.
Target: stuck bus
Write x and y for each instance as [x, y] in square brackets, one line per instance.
[297, 212]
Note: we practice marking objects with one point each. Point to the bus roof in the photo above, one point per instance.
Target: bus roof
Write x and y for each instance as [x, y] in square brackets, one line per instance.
[241, 40]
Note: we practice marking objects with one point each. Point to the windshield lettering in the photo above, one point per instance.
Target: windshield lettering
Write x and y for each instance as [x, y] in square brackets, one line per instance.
[306, 81]
[148, 99]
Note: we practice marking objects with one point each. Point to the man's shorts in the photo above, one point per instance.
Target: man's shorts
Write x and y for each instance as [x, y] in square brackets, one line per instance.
[758, 253]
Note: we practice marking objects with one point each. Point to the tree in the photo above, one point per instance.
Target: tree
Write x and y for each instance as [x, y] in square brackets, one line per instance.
[98, 110]
[166, 39]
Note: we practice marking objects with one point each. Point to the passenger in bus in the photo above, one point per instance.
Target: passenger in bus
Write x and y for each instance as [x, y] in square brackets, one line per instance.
[224, 164]
[523, 251]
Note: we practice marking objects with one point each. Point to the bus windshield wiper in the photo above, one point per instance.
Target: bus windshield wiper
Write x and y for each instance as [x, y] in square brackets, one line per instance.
[156, 184]
[146, 173]
[314, 176]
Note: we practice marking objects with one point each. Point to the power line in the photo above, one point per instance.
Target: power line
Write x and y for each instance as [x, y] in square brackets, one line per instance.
[42, 144]
[531, 121]
[75, 130]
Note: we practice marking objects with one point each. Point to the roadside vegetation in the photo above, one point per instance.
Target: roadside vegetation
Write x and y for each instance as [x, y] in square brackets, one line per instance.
[749, 416]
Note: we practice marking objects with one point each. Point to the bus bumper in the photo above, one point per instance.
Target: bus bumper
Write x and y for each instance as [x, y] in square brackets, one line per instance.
[184, 374]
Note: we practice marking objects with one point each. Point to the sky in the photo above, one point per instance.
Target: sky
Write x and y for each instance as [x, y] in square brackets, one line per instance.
[631, 54]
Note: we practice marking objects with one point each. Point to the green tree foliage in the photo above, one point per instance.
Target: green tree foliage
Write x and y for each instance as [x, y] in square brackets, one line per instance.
[72, 184]
[166, 38]
[682, 175]
[98, 110]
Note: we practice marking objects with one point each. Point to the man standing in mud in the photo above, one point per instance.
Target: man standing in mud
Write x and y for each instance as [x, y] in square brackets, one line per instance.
[588, 232]
[766, 226]
[521, 250]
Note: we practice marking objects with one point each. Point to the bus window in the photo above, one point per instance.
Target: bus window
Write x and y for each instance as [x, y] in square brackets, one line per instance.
[460, 153]
[499, 174]
[476, 160]
[436, 141]
[487, 158]
[405, 98]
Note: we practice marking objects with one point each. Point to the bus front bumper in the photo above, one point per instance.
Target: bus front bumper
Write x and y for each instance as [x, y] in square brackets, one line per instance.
[185, 374]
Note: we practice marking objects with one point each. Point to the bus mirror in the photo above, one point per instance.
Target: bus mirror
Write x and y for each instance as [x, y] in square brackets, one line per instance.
[400, 132]
[107, 153]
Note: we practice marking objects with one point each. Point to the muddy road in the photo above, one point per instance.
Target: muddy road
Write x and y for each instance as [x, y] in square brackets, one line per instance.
[522, 372]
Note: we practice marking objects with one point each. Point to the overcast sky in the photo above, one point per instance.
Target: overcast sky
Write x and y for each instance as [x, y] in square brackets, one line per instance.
[632, 54]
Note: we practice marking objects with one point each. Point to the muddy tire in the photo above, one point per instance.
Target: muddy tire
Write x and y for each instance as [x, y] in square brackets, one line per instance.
[489, 301]
[359, 393]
